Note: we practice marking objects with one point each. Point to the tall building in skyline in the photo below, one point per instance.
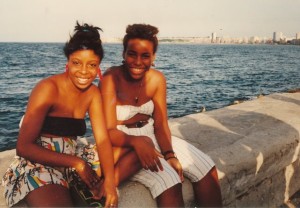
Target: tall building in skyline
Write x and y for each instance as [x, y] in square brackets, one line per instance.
[277, 36]
[214, 37]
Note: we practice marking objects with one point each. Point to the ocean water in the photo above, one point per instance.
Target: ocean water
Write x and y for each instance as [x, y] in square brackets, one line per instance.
[210, 76]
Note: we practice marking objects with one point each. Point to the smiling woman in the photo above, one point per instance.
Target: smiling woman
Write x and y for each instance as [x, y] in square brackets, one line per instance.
[49, 159]
[82, 66]
[135, 106]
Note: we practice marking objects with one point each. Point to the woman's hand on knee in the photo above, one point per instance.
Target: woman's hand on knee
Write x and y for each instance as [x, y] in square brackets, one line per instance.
[174, 162]
[147, 154]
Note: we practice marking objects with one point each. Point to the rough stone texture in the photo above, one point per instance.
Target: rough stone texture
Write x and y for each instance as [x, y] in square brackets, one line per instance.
[255, 146]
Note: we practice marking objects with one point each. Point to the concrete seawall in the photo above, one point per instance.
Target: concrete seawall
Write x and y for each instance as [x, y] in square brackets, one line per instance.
[255, 146]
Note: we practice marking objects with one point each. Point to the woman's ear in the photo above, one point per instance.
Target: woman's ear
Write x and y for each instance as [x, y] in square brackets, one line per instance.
[153, 58]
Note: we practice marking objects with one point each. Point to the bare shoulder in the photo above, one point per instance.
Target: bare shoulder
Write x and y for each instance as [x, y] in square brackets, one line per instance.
[156, 76]
[94, 90]
[43, 93]
[48, 85]
[112, 70]
[113, 73]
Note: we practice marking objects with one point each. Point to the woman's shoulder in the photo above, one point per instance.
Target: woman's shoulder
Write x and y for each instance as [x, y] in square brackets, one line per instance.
[112, 70]
[156, 75]
[50, 83]
[113, 73]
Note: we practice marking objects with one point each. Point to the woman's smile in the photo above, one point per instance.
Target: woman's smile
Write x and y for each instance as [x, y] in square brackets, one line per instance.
[83, 81]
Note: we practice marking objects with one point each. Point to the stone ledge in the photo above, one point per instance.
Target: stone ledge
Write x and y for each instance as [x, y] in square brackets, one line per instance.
[255, 146]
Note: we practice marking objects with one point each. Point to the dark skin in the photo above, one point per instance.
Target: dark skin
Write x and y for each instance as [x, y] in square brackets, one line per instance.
[49, 98]
[119, 87]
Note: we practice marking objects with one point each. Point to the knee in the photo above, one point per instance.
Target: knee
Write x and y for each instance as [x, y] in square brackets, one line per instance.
[210, 178]
[213, 173]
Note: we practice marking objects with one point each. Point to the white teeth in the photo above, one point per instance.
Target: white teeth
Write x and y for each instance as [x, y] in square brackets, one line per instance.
[136, 69]
[82, 80]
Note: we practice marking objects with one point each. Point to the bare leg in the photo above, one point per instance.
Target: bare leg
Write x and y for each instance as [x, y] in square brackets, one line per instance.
[52, 195]
[207, 190]
[21, 203]
[171, 197]
[127, 165]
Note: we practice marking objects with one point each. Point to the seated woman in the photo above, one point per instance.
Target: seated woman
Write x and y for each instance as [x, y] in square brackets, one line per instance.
[134, 98]
[46, 147]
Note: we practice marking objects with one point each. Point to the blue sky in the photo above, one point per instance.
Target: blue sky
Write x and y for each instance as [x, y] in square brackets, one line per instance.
[54, 20]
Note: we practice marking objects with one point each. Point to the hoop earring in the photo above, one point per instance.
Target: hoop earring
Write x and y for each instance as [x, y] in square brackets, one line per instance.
[99, 73]
[67, 68]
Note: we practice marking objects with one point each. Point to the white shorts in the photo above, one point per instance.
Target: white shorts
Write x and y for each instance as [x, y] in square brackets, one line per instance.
[195, 163]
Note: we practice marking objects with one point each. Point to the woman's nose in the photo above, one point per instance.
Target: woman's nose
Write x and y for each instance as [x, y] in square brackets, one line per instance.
[83, 69]
[138, 61]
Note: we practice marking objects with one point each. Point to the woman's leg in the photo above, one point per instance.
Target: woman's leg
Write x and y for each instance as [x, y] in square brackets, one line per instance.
[52, 195]
[126, 164]
[171, 197]
[207, 190]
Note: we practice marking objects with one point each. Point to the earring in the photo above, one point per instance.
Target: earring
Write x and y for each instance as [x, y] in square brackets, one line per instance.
[152, 64]
[99, 73]
[123, 62]
[67, 68]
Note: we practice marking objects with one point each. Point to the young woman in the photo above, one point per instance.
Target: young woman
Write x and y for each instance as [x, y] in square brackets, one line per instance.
[134, 97]
[47, 149]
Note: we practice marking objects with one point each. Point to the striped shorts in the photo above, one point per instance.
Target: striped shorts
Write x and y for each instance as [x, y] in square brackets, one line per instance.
[195, 163]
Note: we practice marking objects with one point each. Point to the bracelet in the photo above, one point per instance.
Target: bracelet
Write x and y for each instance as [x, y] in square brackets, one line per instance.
[171, 158]
[168, 152]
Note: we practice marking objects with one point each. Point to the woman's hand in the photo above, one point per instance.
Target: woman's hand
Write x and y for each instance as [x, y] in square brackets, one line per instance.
[87, 174]
[174, 162]
[107, 190]
[147, 154]
[110, 193]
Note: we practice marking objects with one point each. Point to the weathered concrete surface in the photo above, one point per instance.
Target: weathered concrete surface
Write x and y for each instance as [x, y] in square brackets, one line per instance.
[255, 146]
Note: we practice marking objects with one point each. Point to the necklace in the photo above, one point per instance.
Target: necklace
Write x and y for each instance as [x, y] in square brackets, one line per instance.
[136, 99]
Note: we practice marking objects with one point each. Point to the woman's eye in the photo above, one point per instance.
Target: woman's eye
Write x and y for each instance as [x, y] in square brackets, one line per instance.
[76, 63]
[146, 56]
[92, 66]
[131, 54]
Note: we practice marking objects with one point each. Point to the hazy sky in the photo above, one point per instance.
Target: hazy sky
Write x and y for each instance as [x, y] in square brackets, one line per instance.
[54, 20]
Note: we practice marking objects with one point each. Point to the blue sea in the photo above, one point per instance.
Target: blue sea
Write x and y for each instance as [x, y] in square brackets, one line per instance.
[198, 76]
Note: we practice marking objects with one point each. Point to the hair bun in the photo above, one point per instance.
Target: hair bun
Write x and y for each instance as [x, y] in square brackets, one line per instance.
[85, 37]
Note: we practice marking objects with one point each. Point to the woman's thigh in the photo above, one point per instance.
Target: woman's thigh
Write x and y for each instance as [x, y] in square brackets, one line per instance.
[51, 195]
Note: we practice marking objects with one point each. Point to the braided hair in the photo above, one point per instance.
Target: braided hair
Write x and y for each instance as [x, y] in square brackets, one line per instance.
[85, 37]
[141, 31]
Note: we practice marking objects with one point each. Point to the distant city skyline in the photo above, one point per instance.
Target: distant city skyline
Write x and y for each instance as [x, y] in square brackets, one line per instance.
[54, 20]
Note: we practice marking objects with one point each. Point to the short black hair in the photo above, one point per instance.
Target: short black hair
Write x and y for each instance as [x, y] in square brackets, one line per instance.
[141, 31]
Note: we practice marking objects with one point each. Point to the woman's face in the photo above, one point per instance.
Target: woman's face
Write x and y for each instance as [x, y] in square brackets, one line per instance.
[138, 57]
[83, 66]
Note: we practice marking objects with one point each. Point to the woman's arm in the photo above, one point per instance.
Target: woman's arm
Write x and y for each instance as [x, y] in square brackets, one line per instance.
[161, 126]
[160, 115]
[39, 104]
[104, 147]
[143, 145]
[108, 91]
